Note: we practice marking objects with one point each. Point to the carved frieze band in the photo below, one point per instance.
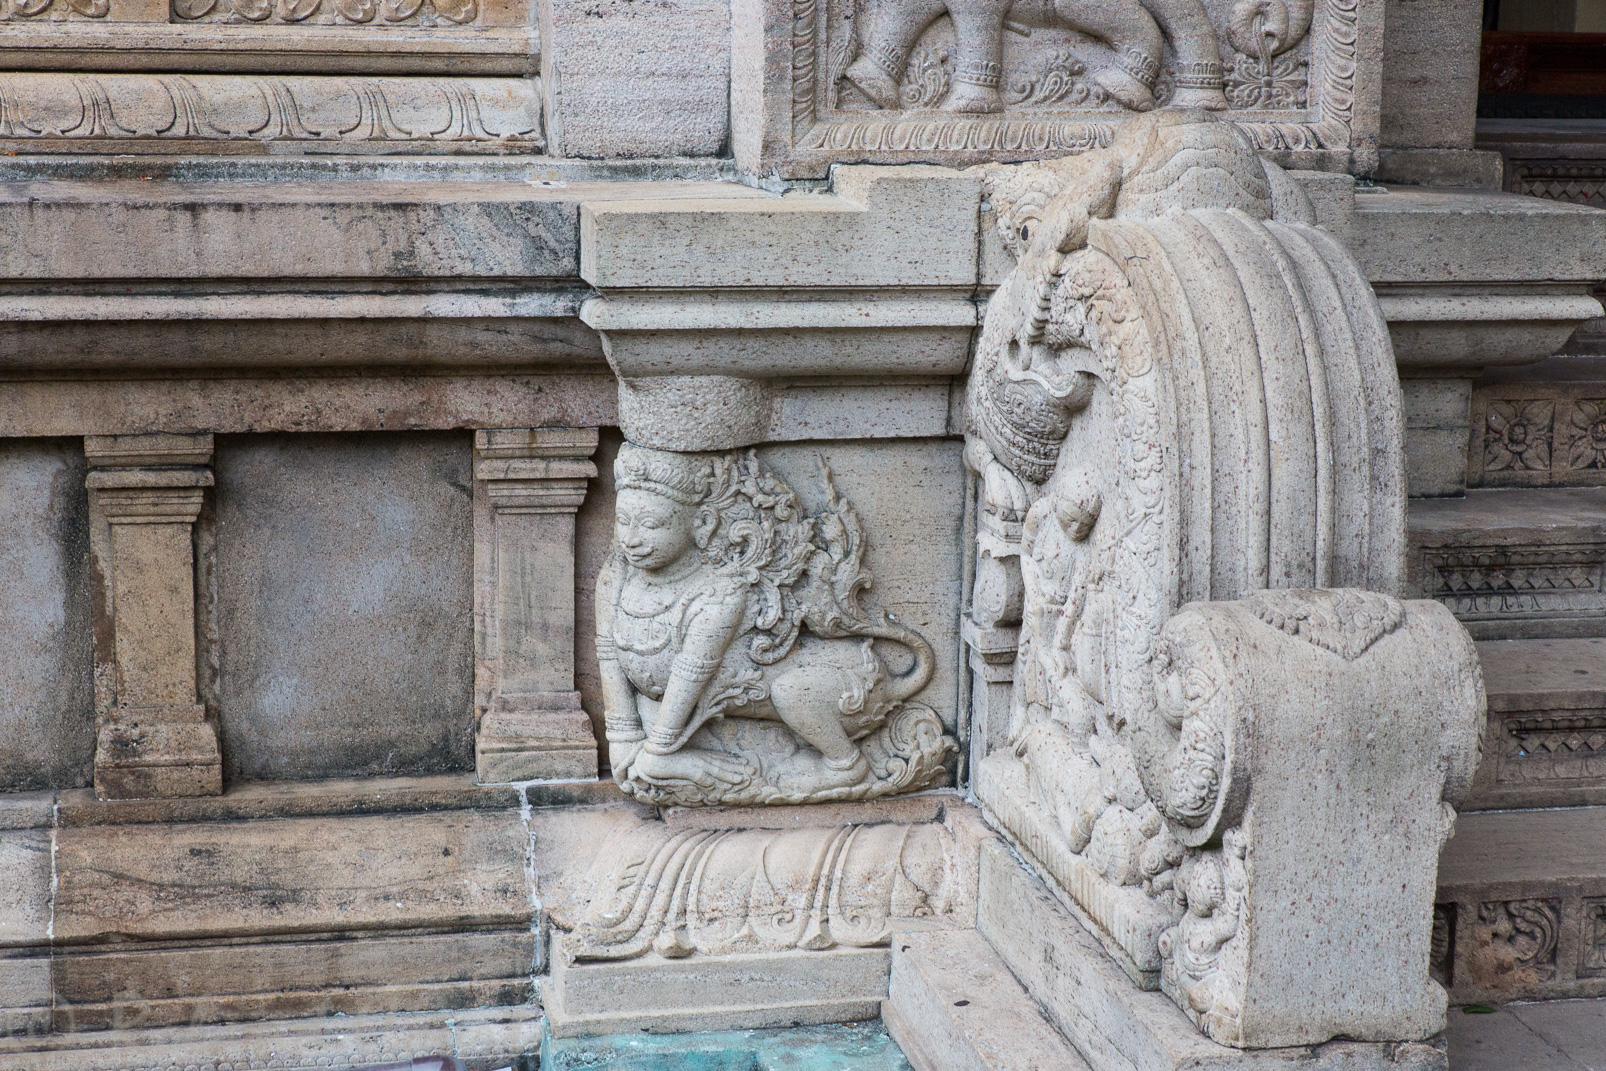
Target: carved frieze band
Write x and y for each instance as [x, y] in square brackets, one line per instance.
[447, 114]
[1483, 583]
[444, 14]
[1494, 945]
[1538, 436]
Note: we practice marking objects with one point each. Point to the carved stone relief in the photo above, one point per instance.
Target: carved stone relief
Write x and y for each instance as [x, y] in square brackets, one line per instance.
[358, 114]
[683, 892]
[1517, 938]
[738, 663]
[965, 80]
[1539, 435]
[1159, 391]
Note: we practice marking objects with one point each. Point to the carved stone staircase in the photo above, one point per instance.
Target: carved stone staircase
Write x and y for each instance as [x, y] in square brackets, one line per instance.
[1521, 560]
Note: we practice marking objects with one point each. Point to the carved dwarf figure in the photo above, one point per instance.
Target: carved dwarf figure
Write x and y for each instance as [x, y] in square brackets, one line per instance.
[722, 600]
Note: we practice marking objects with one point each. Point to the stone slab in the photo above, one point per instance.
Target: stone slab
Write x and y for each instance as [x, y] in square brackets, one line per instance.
[920, 807]
[1430, 73]
[1420, 234]
[246, 800]
[1545, 745]
[111, 990]
[953, 1006]
[328, 230]
[47, 705]
[484, 1039]
[1500, 1039]
[344, 588]
[25, 995]
[626, 80]
[288, 876]
[700, 992]
[1112, 1023]
[912, 226]
[25, 893]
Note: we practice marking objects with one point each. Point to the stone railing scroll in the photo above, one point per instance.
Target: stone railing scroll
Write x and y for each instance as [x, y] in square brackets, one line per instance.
[1184, 395]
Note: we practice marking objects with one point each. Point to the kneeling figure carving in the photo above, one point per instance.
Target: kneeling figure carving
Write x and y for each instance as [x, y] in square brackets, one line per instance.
[738, 665]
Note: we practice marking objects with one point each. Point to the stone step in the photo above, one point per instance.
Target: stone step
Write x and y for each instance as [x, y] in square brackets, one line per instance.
[954, 1006]
[1521, 912]
[1514, 563]
[1545, 745]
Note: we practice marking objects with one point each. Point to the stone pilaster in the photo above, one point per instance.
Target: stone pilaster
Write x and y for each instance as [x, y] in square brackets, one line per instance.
[528, 483]
[153, 738]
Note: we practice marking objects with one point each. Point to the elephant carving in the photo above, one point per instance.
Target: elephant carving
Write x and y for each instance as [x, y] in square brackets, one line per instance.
[1135, 30]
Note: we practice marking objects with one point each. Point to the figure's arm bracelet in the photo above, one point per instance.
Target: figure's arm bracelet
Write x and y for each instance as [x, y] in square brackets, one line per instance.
[695, 670]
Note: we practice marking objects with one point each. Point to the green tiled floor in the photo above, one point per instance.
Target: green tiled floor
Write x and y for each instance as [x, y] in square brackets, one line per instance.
[842, 1047]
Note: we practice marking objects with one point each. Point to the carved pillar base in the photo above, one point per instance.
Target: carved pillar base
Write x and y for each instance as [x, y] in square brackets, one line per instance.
[535, 737]
[528, 484]
[154, 739]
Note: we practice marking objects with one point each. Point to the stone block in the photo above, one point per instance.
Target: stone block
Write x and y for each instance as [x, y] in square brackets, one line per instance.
[1420, 235]
[344, 587]
[114, 990]
[914, 226]
[958, 84]
[952, 1005]
[626, 80]
[1471, 169]
[250, 800]
[47, 704]
[485, 1039]
[714, 992]
[457, 869]
[25, 995]
[248, 404]
[1430, 73]
[25, 896]
[1436, 414]
[475, 37]
[1113, 1023]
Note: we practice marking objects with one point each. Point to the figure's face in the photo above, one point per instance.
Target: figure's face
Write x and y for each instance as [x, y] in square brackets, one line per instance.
[652, 531]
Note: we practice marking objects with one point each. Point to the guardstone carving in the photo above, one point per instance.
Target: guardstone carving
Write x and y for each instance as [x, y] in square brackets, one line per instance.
[738, 663]
[1182, 395]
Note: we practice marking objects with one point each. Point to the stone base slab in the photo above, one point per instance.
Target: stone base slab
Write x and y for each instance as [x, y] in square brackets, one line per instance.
[698, 992]
[482, 1038]
[954, 1006]
[156, 759]
[547, 741]
[1115, 1025]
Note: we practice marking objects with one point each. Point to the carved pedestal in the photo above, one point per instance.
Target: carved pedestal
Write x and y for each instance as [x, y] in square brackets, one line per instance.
[154, 737]
[528, 483]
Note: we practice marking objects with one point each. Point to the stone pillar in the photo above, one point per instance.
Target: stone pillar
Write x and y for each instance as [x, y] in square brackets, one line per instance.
[154, 737]
[528, 483]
